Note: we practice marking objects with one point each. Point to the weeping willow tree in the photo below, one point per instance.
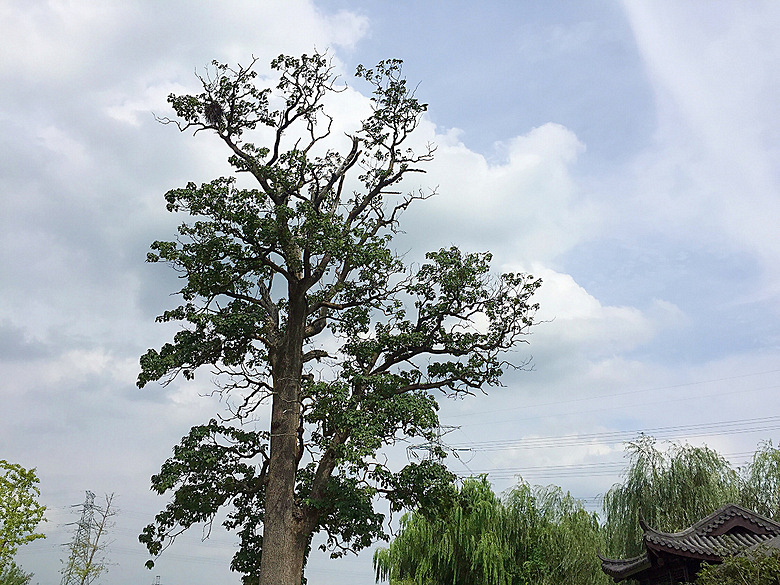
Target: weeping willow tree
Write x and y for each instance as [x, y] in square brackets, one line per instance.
[535, 535]
[542, 535]
[761, 482]
[467, 543]
[760, 492]
[672, 490]
[558, 536]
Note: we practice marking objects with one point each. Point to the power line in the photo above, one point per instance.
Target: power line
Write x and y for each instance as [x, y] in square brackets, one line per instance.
[573, 469]
[730, 427]
[624, 393]
[607, 408]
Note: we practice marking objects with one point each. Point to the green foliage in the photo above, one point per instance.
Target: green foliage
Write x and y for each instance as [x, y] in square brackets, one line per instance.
[756, 567]
[559, 535]
[760, 489]
[208, 470]
[292, 295]
[536, 535]
[12, 574]
[20, 511]
[464, 545]
[671, 490]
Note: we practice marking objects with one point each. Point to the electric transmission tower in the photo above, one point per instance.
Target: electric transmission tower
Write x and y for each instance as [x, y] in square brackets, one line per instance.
[436, 448]
[86, 560]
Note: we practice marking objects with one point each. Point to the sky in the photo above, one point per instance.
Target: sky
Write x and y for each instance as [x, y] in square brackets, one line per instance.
[628, 153]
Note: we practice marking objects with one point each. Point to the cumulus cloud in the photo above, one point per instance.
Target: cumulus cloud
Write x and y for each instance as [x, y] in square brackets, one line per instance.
[53, 41]
[572, 317]
[527, 206]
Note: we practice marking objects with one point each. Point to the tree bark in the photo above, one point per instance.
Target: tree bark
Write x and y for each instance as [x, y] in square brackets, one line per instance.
[285, 535]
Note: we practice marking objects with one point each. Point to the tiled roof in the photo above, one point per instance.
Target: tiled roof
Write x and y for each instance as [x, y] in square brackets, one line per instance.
[703, 546]
[721, 516]
[726, 531]
[624, 567]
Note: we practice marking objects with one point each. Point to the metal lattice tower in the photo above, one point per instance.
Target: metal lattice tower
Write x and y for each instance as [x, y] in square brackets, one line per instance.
[82, 540]
[435, 447]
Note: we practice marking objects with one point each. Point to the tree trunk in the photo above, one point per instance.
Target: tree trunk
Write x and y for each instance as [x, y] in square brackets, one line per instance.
[284, 531]
[284, 549]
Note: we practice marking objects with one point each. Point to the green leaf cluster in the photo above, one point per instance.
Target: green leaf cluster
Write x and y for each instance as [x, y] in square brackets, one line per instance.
[20, 512]
[12, 574]
[671, 490]
[543, 535]
[675, 488]
[759, 566]
[760, 485]
[209, 468]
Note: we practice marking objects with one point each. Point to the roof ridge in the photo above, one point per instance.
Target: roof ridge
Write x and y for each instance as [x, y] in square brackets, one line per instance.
[707, 524]
[736, 510]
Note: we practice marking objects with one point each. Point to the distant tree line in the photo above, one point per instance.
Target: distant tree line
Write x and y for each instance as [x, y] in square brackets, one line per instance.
[541, 535]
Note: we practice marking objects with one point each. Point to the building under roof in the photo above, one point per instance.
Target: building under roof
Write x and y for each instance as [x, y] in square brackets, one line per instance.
[676, 557]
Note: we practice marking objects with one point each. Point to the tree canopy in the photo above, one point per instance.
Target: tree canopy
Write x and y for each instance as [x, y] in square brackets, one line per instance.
[293, 296]
[12, 574]
[534, 535]
[760, 488]
[675, 488]
[20, 512]
[672, 490]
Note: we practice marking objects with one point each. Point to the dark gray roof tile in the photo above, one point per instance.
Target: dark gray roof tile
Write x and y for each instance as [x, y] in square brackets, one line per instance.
[710, 539]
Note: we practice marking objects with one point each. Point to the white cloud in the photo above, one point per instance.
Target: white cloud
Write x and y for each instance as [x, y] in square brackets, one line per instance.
[45, 40]
[345, 28]
[526, 207]
[129, 107]
[572, 320]
[64, 41]
[713, 171]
